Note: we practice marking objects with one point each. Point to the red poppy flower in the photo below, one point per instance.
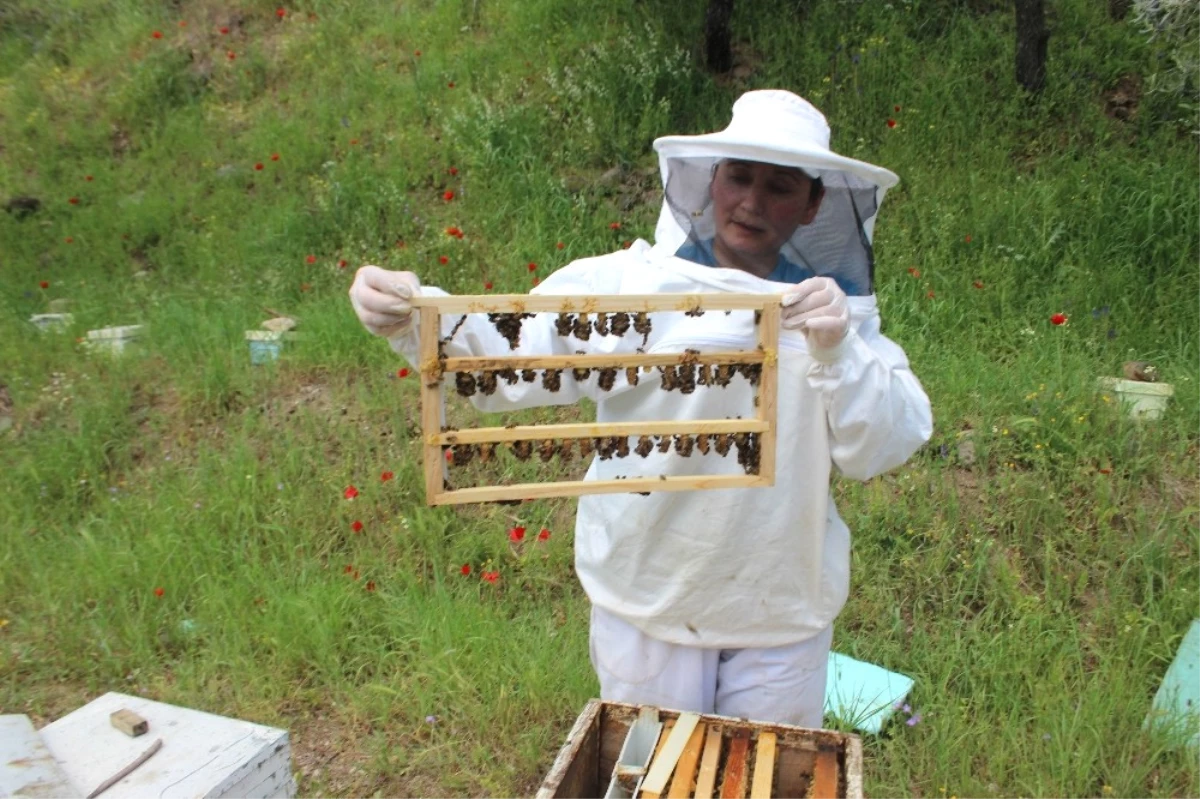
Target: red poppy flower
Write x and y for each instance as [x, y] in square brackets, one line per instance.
[516, 534]
[310, 259]
[930, 295]
[614, 225]
[491, 577]
[443, 260]
[69, 240]
[355, 575]
[449, 455]
[274, 156]
[402, 372]
[891, 123]
[487, 286]
[350, 493]
[448, 195]
[356, 526]
[159, 591]
[370, 585]
[281, 12]
[896, 108]
[44, 284]
[223, 30]
[450, 85]
[560, 245]
[535, 280]
[306, 286]
[544, 535]
[354, 142]
[967, 238]
[157, 34]
[454, 231]
[73, 200]
[383, 478]
[258, 166]
[400, 245]
[417, 53]
[231, 55]
[453, 170]
[912, 270]
[88, 178]
[532, 267]
[978, 284]
[1058, 319]
[466, 569]
[349, 569]
[341, 263]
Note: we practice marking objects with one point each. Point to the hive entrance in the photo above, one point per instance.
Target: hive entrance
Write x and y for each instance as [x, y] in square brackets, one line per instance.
[750, 440]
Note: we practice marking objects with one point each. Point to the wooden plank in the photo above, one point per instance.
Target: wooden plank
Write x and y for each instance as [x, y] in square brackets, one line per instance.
[666, 757]
[768, 390]
[734, 786]
[854, 756]
[577, 488]
[617, 361]
[764, 766]
[825, 775]
[576, 771]
[598, 303]
[668, 725]
[478, 435]
[685, 771]
[431, 405]
[710, 761]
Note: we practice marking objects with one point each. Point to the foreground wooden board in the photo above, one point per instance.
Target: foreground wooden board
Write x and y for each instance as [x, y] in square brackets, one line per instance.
[685, 770]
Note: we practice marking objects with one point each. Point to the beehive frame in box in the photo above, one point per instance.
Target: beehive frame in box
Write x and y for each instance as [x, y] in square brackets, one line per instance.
[753, 437]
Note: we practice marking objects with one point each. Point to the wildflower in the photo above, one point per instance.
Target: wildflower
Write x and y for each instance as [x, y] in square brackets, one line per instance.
[88, 178]
[1058, 319]
[448, 195]
[231, 55]
[354, 142]
[258, 167]
[1104, 471]
[487, 286]
[449, 455]
[224, 31]
[891, 123]
[402, 371]
[73, 200]
[348, 569]
[431, 719]
[896, 108]
[516, 534]
[44, 284]
[625, 244]
[967, 238]
[443, 260]
[912, 270]
[466, 569]
[356, 526]
[383, 478]
[913, 720]
[532, 267]
[400, 245]
[614, 225]
[69, 240]
[450, 85]
[311, 259]
[274, 156]
[417, 53]
[157, 34]
[1101, 311]
[544, 535]
[454, 231]
[930, 295]
[306, 286]
[355, 575]
[536, 281]
[342, 263]
[491, 576]
[370, 585]
[183, 23]
[350, 493]
[159, 591]
[978, 284]
[281, 12]
[560, 245]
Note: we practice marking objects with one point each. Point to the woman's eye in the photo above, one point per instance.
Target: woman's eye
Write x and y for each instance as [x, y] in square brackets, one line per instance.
[782, 188]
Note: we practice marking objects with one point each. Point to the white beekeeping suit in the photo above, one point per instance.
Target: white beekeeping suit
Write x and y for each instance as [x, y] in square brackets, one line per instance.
[704, 598]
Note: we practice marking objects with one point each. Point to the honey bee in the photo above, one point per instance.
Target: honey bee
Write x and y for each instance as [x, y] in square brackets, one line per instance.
[464, 383]
[581, 373]
[749, 452]
[683, 445]
[547, 449]
[508, 325]
[585, 447]
[697, 311]
[522, 449]
[723, 443]
[565, 452]
[486, 452]
[602, 324]
[462, 454]
[605, 447]
[529, 375]
[670, 378]
[702, 443]
[619, 324]
[641, 324]
[583, 327]
[702, 376]
[552, 380]
[724, 375]
[607, 378]
[622, 446]
[686, 377]
[644, 446]
[664, 444]
[487, 383]
[509, 375]
[751, 371]
[631, 375]
[564, 323]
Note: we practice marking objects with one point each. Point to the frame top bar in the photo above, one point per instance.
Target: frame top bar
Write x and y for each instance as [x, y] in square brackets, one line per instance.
[595, 303]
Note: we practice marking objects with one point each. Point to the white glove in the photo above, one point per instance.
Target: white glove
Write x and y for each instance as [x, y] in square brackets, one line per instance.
[381, 299]
[818, 307]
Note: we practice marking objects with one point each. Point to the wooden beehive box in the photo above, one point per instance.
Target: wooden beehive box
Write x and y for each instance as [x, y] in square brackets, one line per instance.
[804, 762]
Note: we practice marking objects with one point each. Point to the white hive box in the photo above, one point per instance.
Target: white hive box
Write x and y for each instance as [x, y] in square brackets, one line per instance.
[27, 768]
[202, 755]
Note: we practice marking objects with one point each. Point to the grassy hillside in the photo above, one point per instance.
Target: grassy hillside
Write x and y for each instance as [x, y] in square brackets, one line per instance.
[175, 523]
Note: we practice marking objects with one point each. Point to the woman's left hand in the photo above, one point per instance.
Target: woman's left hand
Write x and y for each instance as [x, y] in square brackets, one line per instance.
[818, 307]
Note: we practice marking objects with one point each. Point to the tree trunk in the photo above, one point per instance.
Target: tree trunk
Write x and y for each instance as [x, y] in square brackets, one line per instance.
[718, 52]
[1031, 44]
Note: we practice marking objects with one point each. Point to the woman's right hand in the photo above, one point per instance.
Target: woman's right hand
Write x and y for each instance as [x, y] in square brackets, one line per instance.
[381, 299]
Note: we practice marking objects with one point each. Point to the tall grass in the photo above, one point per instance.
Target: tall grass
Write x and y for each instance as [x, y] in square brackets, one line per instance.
[1033, 568]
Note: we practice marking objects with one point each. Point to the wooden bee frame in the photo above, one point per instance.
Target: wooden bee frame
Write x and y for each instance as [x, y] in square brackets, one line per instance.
[433, 368]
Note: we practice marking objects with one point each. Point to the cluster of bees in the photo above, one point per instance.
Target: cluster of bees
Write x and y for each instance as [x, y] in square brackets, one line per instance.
[606, 447]
[683, 377]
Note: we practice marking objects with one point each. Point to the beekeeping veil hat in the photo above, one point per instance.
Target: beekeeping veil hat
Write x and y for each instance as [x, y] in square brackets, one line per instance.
[777, 127]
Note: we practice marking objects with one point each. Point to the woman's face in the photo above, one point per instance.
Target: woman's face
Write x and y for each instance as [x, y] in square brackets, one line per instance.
[757, 207]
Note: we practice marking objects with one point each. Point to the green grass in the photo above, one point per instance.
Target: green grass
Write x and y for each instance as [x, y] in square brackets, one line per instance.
[1033, 568]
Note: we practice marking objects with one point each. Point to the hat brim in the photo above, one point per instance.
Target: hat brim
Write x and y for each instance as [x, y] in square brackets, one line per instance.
[721, 145]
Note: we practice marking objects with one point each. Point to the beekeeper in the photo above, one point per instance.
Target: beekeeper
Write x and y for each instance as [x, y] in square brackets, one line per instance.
[723, 600]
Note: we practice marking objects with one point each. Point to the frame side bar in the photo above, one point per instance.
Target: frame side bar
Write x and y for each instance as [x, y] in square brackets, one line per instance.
[768, 389]
[431, 402]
